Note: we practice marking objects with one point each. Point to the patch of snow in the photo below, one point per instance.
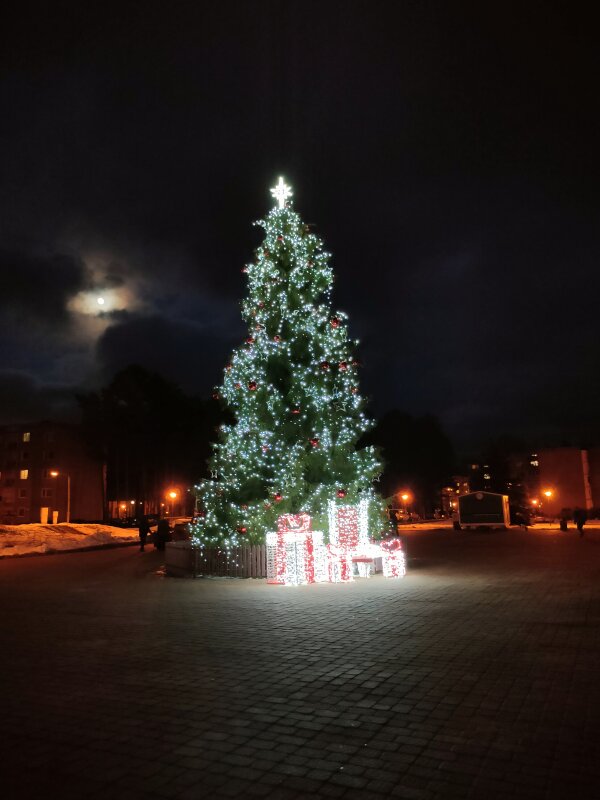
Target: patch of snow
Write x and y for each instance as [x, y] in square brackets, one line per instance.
[18, 540]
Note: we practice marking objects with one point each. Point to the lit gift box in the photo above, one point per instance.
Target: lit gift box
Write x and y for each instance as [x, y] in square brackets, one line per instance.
[295, 554]
[393, 561]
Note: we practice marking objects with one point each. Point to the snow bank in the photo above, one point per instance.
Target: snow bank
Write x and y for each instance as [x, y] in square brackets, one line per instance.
[18, 540]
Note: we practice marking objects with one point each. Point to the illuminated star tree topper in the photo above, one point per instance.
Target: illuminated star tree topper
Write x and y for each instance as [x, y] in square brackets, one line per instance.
[281, 192]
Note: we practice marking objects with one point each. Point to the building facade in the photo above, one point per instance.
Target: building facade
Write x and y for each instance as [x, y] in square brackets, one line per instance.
[46, 474]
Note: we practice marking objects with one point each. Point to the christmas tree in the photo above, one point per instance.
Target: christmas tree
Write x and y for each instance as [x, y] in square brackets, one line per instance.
[292, 388]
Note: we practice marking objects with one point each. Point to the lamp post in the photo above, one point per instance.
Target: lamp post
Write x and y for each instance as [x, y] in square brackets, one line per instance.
[172, 495]
[55, 474]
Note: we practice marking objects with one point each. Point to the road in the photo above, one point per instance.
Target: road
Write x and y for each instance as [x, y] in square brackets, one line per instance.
[476, 676]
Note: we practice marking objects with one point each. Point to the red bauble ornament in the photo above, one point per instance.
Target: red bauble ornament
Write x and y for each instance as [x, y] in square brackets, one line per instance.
[250, 340]
[354, 389]
[343, 366]
[280, 238]
[278, 498]
[265, 448]
[277, 339]
[244, 508]
[314, 442]
[341, 493]
[238, 385]
[252, 386]
[216, 396]
[295, 410]
[244, 269]
[324, 365]
[334, 322]
[242, 530]
[261, 304]
[228, 367]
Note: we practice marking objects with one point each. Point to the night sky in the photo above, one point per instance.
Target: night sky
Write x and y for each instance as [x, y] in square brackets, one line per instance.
[446, 152]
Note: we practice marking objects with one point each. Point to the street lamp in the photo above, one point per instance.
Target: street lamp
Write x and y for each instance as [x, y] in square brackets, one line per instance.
[54, 473]
[171, 495]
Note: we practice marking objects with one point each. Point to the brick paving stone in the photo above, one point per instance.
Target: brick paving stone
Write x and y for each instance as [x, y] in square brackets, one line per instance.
[475, 677]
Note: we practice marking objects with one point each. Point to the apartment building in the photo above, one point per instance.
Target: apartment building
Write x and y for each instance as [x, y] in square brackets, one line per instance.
[46, 474]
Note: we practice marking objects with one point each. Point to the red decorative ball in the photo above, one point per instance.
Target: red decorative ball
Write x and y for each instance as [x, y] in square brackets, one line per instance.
[334, 322]
[278, 497]
[216, 396]
[238, 385]
[265, 448]
[244, 269]
[295, 410]
[244, 508]
[252, 386]
[250, 340]
[277, 339]
[228, 367]
[324, 365]
[242, 530]
[314, 442]
[341, 493]
[343, 366]
[280, 238]
[261, 304]
[354, 389]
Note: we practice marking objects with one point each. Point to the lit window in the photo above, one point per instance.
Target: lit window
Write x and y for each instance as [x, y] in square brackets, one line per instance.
[24, 474]
[486, 476]
[27, 436]
[535, 463]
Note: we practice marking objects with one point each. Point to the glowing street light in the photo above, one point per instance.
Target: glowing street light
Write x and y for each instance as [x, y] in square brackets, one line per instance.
[172, 494]
[54, 473]
[548, 493]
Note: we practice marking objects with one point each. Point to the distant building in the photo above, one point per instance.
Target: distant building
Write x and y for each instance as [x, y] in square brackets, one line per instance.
[45, 471]
[565, 477]
[460, 486]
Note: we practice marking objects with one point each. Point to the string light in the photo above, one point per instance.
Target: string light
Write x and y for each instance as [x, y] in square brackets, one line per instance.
[292, 447]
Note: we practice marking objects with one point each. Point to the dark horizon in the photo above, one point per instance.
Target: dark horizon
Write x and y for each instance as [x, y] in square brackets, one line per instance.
[447, 156]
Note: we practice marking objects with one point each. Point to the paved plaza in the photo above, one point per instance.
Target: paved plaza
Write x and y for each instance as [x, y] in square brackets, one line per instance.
[477, 676]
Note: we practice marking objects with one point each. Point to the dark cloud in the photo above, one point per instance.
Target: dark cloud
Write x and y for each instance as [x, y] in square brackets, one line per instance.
[24, 399]
[190, 354]
[39, 286]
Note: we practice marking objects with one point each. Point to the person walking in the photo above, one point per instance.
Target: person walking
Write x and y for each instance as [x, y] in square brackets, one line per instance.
[144, 529]
[163, 533]
[579, 518]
